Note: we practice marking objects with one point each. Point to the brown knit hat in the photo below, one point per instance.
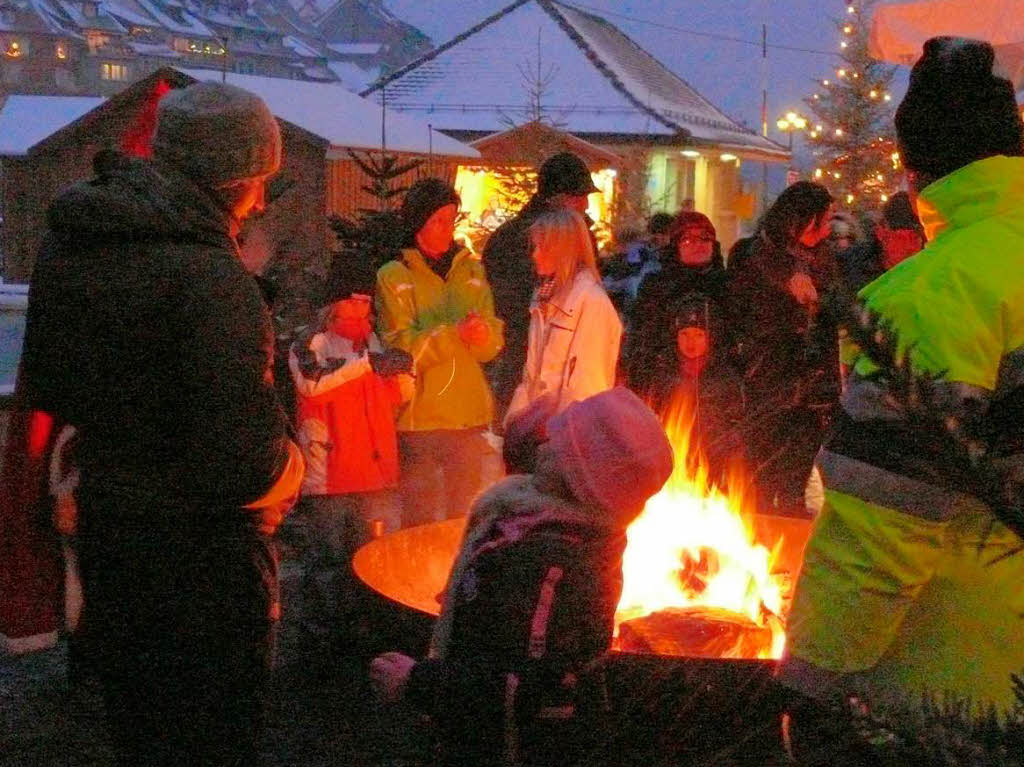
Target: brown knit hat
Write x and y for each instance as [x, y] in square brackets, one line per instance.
[217, 133]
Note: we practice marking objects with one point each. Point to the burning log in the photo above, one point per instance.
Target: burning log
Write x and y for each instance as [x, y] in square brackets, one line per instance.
[695, 632]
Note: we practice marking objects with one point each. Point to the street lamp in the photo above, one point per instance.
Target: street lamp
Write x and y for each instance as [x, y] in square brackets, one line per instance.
[789, 124]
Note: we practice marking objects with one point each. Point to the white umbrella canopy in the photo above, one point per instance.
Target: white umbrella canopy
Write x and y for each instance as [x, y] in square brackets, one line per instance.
[899, 30]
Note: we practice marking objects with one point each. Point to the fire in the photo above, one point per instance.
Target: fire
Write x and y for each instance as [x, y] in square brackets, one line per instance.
[694, 547]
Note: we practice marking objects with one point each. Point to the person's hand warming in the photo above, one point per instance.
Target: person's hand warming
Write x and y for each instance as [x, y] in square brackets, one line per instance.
[473, 331]
[801, 287]
[389, 674]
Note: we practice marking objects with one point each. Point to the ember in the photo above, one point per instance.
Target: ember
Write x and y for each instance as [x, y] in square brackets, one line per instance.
[696, 580]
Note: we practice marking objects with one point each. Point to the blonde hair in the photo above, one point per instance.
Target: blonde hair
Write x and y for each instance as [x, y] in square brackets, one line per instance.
[565, 233]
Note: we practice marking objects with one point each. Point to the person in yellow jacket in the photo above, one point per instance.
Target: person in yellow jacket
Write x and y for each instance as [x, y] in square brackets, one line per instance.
[435, 303]
[909, 583]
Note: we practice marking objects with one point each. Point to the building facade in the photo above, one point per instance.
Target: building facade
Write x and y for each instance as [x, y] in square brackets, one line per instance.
[549, 62]
[97, 47]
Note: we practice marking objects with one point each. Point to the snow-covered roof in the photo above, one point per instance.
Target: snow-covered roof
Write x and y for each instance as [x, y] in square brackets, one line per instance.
[189, 25]
[27, 120]
[128, 11]
[340, 117]
[102, 19]
[159, 50]
[353, 76]
[53, 17]
[598, 81]
[301, 48]
[356, 49]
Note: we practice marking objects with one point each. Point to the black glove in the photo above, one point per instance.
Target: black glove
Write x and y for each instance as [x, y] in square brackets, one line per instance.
[391, 362]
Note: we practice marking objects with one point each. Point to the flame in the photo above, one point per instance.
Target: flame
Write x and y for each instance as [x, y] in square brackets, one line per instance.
[694, 545]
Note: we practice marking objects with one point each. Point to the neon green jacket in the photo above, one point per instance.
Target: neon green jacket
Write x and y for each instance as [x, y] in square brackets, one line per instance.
[418, 311]
[897, 591]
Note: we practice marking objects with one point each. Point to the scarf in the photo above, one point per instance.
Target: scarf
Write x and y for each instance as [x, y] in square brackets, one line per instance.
[443, 263]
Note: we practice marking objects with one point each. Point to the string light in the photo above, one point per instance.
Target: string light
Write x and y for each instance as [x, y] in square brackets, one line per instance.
[850, 9]
[885, 197]
[841, 72]
[842, 44]
[849, 199]
[818, 173]
[848, 29]
[839, 131]
[873, 94]
[887, 97]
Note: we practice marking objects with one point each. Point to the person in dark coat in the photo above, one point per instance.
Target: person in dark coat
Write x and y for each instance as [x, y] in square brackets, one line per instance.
[788, 348]
[146, 334]
[692, 263]
[563, 181]
[897, 237]
[531, 599]
[697, 388]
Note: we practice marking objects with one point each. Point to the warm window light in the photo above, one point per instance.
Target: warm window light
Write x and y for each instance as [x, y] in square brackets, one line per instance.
[13, 49]
[61, 51]
[691, 153]
[726, 157]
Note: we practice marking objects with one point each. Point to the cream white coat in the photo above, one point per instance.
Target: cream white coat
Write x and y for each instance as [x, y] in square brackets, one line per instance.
[573, 346]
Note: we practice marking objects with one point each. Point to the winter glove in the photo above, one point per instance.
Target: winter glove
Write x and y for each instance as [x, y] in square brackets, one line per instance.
[390, 362]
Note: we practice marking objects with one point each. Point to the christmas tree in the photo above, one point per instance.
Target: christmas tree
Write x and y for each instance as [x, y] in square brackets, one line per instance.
[852, 129]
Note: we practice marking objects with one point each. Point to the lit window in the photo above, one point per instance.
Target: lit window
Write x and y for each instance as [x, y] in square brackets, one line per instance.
[115, 72]
[14, 50]
[62, 52]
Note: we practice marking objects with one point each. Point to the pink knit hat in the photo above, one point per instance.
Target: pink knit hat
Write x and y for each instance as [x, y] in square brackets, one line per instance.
[611, 451]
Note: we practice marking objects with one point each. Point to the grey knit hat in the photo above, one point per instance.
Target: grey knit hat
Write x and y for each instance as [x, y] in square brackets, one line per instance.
[217, 133]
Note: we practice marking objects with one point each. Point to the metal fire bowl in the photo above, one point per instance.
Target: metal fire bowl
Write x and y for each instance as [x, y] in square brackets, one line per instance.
[410, 567]
[665, 710]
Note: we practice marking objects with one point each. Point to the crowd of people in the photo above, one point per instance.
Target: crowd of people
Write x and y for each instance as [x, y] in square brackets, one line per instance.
[147, 338]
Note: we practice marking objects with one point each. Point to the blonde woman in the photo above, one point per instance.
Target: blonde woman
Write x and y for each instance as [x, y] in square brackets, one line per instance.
[573, 341]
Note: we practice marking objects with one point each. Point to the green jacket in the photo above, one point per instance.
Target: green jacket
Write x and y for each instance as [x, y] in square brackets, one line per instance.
[418, 311]
[902, 587]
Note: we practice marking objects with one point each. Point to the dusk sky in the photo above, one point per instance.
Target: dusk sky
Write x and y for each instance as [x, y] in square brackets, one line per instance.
[727, 73]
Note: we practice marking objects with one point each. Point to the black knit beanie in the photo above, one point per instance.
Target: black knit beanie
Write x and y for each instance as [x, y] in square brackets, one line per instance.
[424, 198]
[956, 110]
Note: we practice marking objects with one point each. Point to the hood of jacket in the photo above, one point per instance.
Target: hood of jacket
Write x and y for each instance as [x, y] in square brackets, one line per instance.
[978, 191]
[135, 199]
